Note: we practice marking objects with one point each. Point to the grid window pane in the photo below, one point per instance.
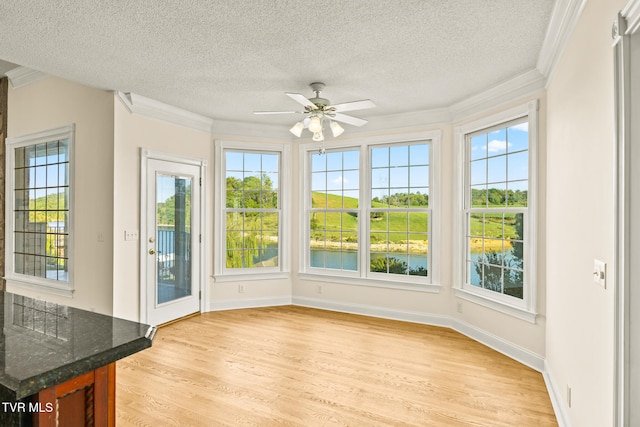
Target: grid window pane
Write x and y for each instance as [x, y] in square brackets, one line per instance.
[253, 209]
[41, 210]
[497, 181]
[333, 218]
[398, 223]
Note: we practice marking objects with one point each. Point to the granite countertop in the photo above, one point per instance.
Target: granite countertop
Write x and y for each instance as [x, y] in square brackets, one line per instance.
[45, 344]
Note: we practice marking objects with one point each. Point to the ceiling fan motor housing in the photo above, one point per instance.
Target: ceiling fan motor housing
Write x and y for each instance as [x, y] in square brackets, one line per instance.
[318, 87]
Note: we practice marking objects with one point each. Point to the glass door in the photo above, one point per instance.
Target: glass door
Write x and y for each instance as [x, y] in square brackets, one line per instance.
[173, 237]
[172, 240]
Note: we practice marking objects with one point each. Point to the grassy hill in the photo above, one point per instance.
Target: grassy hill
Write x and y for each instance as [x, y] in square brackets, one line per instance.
[393, 223]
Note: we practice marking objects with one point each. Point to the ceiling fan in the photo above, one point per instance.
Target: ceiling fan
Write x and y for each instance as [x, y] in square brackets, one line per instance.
[319, 110]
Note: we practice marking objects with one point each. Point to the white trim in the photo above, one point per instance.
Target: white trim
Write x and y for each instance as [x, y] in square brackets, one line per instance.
[557, 400]
[631, 12]
[145, 156]
[140, 105]
[13, 279]
[23, 76]
[519, 87]
[371, 282]
[507, 348]
[626, 24]
[224, 129]
[220, 272]
[563, 21]
[236, 304]
[147, 107]
[493, 303]
[409, 120]
[244, 277]
[528, 310]
[363, 277]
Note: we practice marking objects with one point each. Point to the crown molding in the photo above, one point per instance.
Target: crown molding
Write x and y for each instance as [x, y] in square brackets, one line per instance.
[410, 119]
[631, 13]
[563, 21]
[23, 76]
[517, 88]
[140, 105]
[222, 129]
[137, 104]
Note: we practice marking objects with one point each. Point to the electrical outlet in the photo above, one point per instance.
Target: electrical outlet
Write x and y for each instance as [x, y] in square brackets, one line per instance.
[600, 272]
[319, 289]
[241, 289]
[568, 396]
[459, 307]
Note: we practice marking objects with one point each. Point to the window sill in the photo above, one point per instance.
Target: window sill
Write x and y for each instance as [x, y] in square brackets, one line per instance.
[377, 283]
[40, 286]
[512, 310]
[243, 277]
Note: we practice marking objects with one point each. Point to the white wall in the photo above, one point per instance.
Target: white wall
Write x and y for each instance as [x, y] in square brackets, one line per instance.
[131, 133]
[580, 218]
[52, 103]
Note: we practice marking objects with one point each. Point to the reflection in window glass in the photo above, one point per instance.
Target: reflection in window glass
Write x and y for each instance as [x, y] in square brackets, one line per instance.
[497, 193]
[41, 210]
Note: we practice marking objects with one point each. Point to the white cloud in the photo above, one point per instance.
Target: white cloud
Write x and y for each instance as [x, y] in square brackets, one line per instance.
[497, 145]
[340, 180]
[522, 126]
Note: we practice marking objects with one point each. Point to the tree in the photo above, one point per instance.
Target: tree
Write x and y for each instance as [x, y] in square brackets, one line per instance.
[505, 275]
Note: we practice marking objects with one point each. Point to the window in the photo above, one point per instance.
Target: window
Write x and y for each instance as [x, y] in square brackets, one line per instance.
[369, 212]
[333, 221]
[497, 210]
[39, 209]
[251, 218]
[399, 215]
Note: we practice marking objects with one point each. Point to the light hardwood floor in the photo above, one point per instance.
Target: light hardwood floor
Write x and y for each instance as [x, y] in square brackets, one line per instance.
[297, 366]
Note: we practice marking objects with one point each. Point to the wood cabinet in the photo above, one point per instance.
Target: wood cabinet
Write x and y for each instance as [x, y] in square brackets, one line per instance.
[87, 400]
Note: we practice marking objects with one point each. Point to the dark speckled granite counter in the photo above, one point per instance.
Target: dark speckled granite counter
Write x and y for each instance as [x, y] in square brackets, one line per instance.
[45, 344]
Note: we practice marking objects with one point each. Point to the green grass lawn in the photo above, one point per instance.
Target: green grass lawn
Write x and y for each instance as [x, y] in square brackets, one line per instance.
[395, 223]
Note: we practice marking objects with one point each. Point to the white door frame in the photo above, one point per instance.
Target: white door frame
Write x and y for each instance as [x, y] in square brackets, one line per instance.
[627, 239]
[145, 156]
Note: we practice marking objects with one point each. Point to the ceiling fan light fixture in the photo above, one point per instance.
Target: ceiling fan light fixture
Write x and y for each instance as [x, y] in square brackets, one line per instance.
[315, 125]
[318, 136]
[336, 129]
[297, 129]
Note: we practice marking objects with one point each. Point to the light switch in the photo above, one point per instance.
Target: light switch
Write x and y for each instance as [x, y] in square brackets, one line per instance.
[131, 235]
[600, 272]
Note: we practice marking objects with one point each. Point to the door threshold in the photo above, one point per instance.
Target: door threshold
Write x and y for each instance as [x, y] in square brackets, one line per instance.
[171, 322]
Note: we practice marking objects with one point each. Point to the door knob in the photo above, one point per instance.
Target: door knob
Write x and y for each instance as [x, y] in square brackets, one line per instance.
[151, 252]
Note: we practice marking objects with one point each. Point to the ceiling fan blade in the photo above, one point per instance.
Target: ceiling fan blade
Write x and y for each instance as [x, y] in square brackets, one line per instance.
[278, 112]
[301, 99]
[355, 121]
[355, 105]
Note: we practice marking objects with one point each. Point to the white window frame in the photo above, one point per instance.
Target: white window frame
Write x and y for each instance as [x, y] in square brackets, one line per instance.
[51, 286]
[525, 309]
[221, 272]
[362, 276]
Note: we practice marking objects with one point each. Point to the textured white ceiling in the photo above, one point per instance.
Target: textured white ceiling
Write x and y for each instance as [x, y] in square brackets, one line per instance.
[224, 59]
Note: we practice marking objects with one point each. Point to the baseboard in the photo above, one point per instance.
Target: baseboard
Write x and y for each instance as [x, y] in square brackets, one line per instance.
[367, 310]
[514, 351]
[247, 303]
[511, 350]
[557, 401]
